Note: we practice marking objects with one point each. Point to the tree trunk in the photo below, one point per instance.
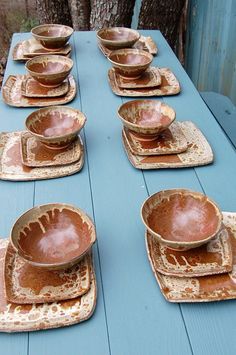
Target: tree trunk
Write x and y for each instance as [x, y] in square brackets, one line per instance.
[80, 14]
[111, 13]
[54, 11]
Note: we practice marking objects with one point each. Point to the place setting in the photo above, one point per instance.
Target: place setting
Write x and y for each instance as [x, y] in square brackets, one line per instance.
[153, 139]
[47, 272]
[51, 146]
[50, 39]
[191, 246]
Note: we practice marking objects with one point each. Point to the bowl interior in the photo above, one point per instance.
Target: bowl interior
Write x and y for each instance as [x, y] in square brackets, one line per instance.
[129, 58]
[48, 65]
[55, 31]
[118, 34]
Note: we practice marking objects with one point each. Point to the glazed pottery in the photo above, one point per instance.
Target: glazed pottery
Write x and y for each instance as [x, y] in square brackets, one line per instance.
[130, 63]
[149, 79]
[117, 37]
[52, 36]
[32, 88]
[148, 118]
[55, 126]
[49, 70]
[53, 236]
[181, 219]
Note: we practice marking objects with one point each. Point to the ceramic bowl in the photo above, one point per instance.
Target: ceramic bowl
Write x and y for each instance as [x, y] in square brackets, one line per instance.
[53, 236]
[49, 70]
[52, 36]
[55, 126]
[181, 219]
[117, 37]
[147, 118]
[130, 63]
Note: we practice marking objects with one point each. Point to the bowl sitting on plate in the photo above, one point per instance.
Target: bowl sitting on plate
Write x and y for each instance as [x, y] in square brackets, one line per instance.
[55, 126]
[49, 70]
[130, 63]
[147, 118]
[181, 219]
[118, 37]
[53, 236]
[52, 36]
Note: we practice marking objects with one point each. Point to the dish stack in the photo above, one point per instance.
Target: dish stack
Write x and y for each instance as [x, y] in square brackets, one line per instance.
[47, 273]
[191, 246]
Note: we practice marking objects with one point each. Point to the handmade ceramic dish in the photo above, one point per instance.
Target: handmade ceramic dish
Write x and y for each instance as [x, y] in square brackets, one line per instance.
[49, 70]
[55, 126]
[130, 63]
[147, 118]
[52, 36]
[32, 88]
[117, 37]
[181, 219]
[53, 236]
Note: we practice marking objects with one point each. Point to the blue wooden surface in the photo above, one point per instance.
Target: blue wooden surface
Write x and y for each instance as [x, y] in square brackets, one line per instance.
[132, 317]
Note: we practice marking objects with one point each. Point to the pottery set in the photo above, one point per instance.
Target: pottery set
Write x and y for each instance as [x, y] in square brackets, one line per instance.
[48, 276]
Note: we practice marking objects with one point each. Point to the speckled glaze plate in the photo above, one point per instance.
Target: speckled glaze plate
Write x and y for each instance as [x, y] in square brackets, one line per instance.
[35, 154]
[171, 141]
[198, 153]
[150, 78]
[12, 94]
[169, 85]
[11, 167]
[31, 88]
[31, 317]
[26, 284]
[200, 289]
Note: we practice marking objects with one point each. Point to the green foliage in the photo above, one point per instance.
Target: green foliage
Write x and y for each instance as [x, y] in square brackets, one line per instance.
[27, 24]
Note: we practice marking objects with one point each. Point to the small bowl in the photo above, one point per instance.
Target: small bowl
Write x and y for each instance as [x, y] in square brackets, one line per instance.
[51, 36]
[55, 126]
[118, 37]
[147, 118]
[130, 63]
[53, 236]
[49, 70]
[181, 219]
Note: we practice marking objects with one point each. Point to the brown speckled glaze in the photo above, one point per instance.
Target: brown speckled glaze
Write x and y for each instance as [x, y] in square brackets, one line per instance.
[205, 288]
[12, 94]
[198, 153]
[27, 284]
[181, 219]
[12, 168]
[31, 88]
[36, 154]
[53, 236]
[20, 318]
[150, 78]
[117, 37]
[52, 36]
[169, 85]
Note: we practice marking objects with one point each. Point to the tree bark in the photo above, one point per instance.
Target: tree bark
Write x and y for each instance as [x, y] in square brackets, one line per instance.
[80, 14]
[110, 13]
[53, 11]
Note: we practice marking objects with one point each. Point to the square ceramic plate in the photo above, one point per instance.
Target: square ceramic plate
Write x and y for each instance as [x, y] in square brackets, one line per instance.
[169, 85]
[171, 141]
[30, 317]
[12, 94]
[31, 88]
[198, 153]
[205, 288]
[11, 167]
[150, 78]
[26, 284]
[212, 258]
[35, 154]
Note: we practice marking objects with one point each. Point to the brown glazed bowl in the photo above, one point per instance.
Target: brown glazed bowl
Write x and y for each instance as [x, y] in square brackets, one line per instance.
[53, 236]
[130, 63]
[117, 37]
[147, 118]
[55, 126]
[52, 36]
[181, 219]
[49, 70]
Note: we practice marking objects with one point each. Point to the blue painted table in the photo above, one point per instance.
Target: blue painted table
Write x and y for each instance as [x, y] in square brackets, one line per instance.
[132, 317]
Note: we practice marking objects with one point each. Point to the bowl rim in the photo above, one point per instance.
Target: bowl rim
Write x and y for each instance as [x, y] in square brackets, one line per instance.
[183, 243]
[51, 37]
[49, 108]
[134, 51]
[51, 265]
[112, 41]
[57, 57]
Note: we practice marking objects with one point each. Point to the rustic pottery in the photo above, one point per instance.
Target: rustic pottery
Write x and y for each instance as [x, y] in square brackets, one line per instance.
[55, 126]
[181, 219]
[52, 36]
[117, 37]
[49, 70]
[53, 236]
[150, 78]
[31, 88]
[130, 63]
